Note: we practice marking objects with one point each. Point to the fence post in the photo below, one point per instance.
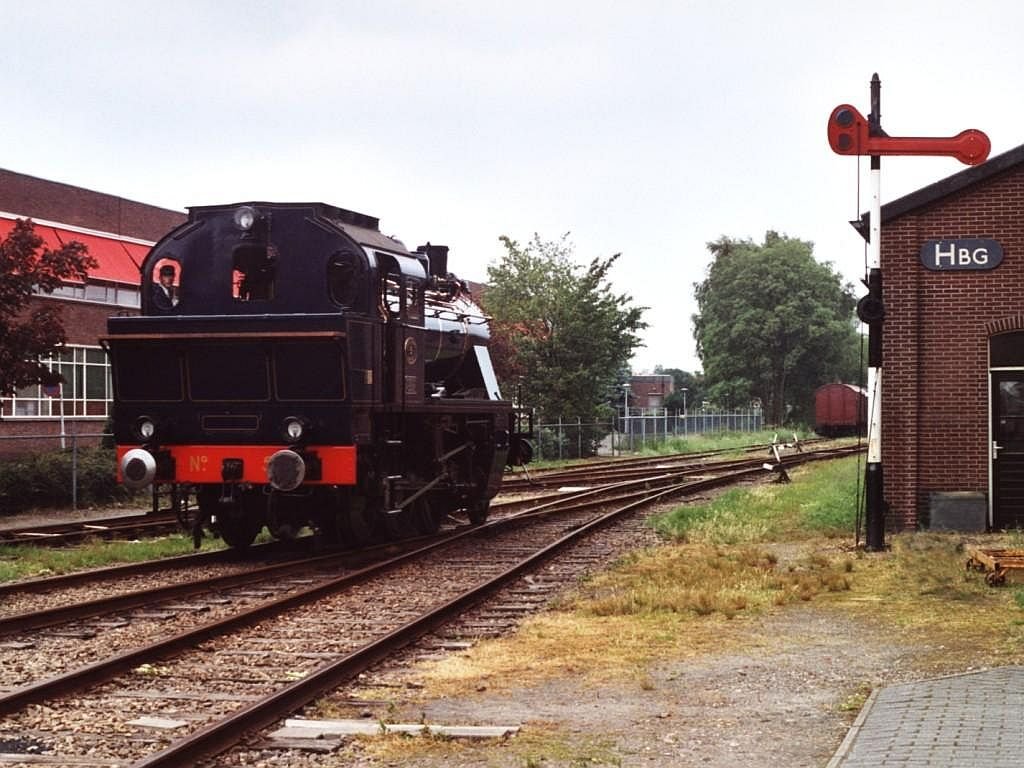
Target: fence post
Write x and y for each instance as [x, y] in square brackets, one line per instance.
[74, 468]
[579, 438]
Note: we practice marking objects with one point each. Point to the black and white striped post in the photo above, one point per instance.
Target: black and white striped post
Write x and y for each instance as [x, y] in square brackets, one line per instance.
[850, 134]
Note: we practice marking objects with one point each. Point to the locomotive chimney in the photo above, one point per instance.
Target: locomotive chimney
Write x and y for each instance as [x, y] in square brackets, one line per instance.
[437, 258]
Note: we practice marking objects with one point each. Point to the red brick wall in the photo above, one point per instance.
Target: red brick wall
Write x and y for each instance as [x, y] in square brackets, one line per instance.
[935, 400]
[84, 322]
[65, 204]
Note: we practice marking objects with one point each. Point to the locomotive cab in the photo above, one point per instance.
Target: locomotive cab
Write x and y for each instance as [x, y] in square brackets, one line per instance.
[292, 366]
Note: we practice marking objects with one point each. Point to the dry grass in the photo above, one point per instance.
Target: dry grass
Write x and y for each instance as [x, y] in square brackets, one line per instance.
[704, 579]
[921, 592]
[538, 744]
[676, 602]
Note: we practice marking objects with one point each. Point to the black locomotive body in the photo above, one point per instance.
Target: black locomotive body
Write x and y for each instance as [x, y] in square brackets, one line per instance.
[292, 366]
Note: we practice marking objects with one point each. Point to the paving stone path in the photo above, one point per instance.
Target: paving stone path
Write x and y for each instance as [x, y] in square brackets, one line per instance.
[973, 719]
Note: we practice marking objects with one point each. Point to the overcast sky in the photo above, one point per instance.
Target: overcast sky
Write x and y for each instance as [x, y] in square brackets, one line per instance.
[642, 128]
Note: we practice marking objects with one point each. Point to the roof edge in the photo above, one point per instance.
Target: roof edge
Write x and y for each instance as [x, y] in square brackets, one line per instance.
[942, 188]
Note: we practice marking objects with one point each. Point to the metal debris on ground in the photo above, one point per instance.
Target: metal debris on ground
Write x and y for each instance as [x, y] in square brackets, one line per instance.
[1001, 566]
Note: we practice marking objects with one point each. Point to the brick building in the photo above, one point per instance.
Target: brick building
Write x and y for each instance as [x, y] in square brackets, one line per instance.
[650, 391]
[952, 260]
[118, 233]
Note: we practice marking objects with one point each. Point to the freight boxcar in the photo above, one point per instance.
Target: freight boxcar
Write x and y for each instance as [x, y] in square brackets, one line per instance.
[840, 409]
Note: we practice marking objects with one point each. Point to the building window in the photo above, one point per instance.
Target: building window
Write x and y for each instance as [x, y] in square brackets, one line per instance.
[86, 390]
[118, 295]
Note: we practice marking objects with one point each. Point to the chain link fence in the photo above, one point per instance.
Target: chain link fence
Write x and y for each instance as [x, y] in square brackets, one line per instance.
[634, 428]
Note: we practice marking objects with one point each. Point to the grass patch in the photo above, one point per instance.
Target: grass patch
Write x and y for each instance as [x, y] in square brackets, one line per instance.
[715, 441]
[820, 501]
[24, 562]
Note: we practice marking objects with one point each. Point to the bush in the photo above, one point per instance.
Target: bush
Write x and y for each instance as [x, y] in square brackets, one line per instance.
[44, 480]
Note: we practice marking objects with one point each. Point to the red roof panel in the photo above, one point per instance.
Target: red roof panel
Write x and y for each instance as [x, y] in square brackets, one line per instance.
[118, 260]
[114, 262]
[50, 239]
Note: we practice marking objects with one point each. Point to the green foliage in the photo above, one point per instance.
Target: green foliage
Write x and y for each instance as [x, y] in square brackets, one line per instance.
[30, 332]
[774, 324]
[41, 480]
[557, 328]
[821, 500]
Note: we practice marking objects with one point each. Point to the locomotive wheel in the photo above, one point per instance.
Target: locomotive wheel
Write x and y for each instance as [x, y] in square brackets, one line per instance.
[239, 521]
[401, 525]
[478, 512]
[357, 522]
[427, 520]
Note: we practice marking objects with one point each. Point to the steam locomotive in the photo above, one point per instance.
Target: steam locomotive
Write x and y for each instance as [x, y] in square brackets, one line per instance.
[293, 366]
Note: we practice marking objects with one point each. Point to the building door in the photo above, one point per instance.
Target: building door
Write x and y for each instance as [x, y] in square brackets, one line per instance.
[1007, 449]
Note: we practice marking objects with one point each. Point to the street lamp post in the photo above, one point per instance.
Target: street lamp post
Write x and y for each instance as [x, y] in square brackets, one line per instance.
[625, 413]
[684, 390]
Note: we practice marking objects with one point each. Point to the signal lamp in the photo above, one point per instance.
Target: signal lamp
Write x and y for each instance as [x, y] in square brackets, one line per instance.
[293, 429]
[145, 428]
[245, 217]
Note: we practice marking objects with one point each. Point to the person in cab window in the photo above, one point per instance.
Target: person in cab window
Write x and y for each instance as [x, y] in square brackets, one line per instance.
[165, 297]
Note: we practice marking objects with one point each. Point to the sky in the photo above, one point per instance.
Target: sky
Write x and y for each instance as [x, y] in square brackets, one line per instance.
[641, 128]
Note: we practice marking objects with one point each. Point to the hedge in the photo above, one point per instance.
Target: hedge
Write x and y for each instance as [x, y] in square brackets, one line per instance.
[43, 480]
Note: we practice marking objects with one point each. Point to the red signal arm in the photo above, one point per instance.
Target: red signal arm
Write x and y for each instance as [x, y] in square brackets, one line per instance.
[849, 134]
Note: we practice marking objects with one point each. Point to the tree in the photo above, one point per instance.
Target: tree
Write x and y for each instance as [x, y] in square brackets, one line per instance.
[29, 333]
[558, 329]
[773, 324]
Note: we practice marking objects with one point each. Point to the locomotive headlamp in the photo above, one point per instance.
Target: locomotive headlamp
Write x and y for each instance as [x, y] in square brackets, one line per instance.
[145, 428]
[293, 429]
[245, 217]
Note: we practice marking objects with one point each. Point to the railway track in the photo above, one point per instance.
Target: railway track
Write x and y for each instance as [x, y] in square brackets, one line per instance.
[636, 466]
[70, 533]
[655, 470]
[193, 694]
[152, 524]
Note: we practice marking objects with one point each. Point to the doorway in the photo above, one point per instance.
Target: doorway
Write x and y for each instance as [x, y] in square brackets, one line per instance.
[1006, 354]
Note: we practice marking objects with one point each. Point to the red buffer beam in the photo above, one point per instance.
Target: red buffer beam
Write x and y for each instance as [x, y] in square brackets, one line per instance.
[849, 133]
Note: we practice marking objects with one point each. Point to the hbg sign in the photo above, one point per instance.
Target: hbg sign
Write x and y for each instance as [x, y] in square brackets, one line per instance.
[959, 255]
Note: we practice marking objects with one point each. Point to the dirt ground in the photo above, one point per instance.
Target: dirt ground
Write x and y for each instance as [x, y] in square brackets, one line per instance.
[785, 698]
